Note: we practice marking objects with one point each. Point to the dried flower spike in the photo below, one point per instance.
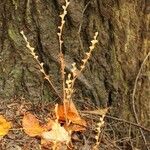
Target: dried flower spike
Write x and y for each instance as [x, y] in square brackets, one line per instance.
[62, 16]
[32, 51]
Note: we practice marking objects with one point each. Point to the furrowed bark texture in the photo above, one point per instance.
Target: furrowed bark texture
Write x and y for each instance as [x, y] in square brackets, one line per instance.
[109, 77]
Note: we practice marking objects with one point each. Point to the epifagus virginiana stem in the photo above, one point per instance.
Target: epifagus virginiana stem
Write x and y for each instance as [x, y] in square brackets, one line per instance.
[32, 51]
[62, 16]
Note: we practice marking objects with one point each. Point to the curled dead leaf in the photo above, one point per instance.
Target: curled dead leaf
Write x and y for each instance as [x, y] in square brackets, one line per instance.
[71, 113]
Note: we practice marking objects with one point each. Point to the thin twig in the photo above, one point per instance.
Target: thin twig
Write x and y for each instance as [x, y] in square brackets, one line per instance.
[80, 26]
[83, 16]
[128, 122]
[118, 119]
[133, 98]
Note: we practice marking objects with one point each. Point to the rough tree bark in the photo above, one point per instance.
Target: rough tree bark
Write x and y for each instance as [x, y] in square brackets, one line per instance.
[109, 77]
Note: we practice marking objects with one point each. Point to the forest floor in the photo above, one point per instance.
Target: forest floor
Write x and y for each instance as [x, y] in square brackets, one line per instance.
[16, 139]
[14, 109]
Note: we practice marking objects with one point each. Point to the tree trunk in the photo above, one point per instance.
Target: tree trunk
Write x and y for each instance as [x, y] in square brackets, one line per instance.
[110, 75]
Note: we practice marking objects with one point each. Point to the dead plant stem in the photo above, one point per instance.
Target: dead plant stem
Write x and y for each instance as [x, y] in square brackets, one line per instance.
[133, 99]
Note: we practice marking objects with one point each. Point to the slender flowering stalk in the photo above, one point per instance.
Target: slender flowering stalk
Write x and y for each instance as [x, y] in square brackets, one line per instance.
[62, 16]
[76, 73]
[98, 129]
[32, 52]
[88, 54]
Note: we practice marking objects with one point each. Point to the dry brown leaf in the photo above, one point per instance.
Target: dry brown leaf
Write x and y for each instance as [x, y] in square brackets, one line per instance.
[4, 126]
[31, 125]
[57, 134]
[71, 112]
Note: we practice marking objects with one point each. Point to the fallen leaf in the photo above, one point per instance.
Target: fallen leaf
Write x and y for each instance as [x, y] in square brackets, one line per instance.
[31, 125]
[71, 113]
[57, 134]
[4, 126]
